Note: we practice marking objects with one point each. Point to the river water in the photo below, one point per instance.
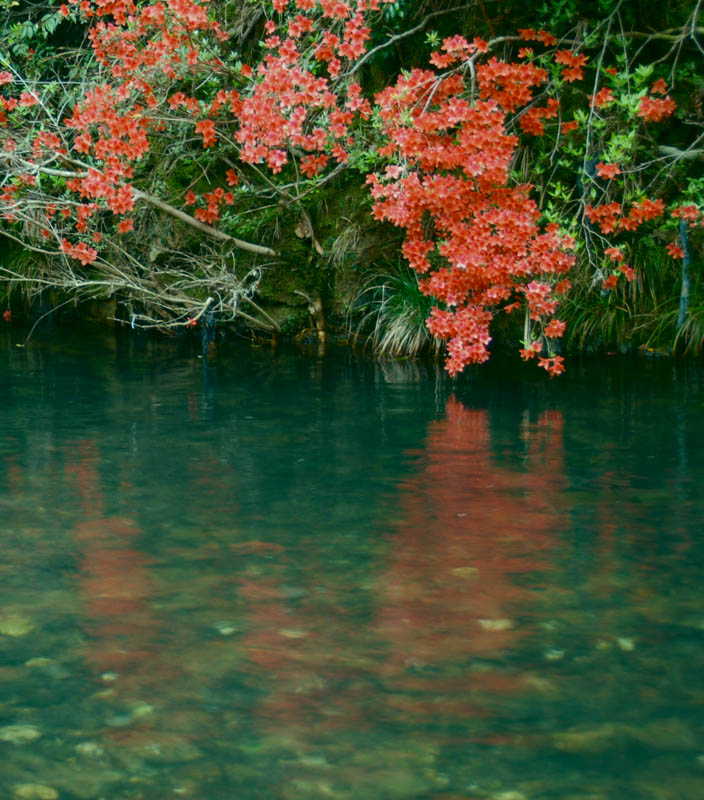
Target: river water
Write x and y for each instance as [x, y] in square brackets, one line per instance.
[286, 575]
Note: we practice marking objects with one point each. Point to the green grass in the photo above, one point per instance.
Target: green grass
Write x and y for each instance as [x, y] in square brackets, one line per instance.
[641, 314]
[393, 311]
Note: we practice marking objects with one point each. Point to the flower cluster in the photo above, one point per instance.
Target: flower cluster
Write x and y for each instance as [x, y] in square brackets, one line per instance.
[450, 164]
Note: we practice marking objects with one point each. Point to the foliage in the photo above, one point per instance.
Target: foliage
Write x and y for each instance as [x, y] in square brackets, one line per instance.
[135, 164]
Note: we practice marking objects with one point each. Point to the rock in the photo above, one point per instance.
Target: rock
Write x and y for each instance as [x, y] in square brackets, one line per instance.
[627, 645]
[19, 734]
[12, 624]
[465, 572]
[140, 710]
[224, 628]
[292, 633]
[666, 735]
[554, 655]
[155, 747]
[39, 662]
[496, 624]
[90, 749]
[34, 791]
[540, 684]
[588, 740]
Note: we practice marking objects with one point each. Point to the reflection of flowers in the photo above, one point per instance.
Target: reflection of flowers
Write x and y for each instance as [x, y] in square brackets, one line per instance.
[115, 581]
[470, 526]
[445, 601]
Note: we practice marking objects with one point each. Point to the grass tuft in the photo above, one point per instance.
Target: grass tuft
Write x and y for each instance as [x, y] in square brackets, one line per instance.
[394, 311]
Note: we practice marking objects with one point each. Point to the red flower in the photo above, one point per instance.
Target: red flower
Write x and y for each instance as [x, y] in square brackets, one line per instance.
[654, 109]
[675, 251]
[603, 97]
[690, 212]
[546, 38]
[607, 170]
[206, 127]
[7, 315]
[614, 253]
[554, 366]
[573, 63]
[555, 328]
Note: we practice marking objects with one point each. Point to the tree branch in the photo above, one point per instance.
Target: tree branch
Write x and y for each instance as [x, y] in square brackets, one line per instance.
[174, 212]
[403, 35]
[202, 226]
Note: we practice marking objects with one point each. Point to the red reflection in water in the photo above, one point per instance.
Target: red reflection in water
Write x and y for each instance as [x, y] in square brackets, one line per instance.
[448, 594]
[470, 526]
[114, 582]
[310, 657]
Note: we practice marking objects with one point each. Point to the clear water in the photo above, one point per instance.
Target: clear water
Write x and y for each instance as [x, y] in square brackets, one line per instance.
[282, 575]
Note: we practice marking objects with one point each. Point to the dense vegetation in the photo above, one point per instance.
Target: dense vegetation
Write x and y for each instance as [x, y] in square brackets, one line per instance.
[527, 173]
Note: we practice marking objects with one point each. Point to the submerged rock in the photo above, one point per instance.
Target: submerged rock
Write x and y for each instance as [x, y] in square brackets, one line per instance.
[19, 734]
[12, 624]
[155, 747]
[465, 572]
[39, 662]
[224, 628]
[588, 740]
[496, 624]
[90, 749]
[34, 791]
[626, 644]
[554, 654]
[664, 735]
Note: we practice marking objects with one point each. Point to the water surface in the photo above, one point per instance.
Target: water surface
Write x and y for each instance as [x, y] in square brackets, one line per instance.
[282, 575]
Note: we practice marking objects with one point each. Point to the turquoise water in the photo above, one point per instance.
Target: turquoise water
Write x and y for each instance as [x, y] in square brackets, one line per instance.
[282, 575]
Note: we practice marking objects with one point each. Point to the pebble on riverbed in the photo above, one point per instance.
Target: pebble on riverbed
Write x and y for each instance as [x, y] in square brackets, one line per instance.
[90, 749]
[19, 734]
[496, 624]
[34, 791]
[15, 625]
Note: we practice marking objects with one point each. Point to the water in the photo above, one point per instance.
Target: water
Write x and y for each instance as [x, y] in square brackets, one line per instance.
[278, 575]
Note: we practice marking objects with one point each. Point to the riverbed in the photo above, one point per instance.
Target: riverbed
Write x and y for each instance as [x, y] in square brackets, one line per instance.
[301, 575]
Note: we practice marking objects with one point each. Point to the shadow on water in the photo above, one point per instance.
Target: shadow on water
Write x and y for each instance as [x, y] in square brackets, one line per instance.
[265, 574]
